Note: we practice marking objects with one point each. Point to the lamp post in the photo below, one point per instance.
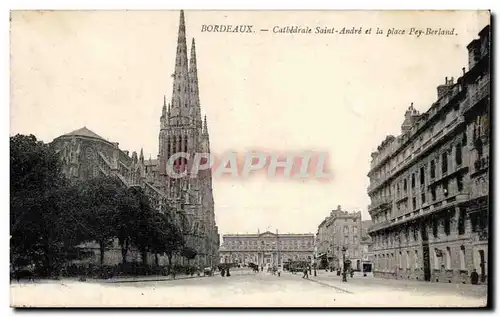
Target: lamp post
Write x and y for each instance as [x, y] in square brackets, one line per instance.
[344, 278]
[315, 259]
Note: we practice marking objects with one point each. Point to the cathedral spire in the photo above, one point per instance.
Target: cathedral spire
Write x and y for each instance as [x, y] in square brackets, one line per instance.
[193, 82]
[164, 108]
[180, 94]
[205, 128]
[192, 61]
[141, 156]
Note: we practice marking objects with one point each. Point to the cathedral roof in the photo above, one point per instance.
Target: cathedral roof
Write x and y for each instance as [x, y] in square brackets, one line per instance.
[85, 132]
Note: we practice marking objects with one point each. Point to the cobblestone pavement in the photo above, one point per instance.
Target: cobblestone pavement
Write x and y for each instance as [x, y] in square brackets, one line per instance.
[242, 289]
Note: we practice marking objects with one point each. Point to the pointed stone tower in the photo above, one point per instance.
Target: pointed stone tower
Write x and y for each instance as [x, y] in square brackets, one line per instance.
[182, 130]
[180, 91]
[194, 90]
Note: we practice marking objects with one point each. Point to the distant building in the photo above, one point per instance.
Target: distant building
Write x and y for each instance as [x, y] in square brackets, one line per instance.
[340, 229]
[365, 226]
[429, 187]
[366, 246]
[266, 248]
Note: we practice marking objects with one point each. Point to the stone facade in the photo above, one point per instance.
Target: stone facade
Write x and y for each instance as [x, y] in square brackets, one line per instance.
[266, 248]
[366, 246]
[429, 186]
[189, 200]
[340, 229]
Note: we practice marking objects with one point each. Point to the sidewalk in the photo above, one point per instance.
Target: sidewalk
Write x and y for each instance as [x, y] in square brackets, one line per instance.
[155, 278]
[158, 278]
[115, 280]
[359, 284]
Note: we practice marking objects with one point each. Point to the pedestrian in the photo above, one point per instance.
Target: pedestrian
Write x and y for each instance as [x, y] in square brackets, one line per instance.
[306, 273]
[279, 271]
[474, 277]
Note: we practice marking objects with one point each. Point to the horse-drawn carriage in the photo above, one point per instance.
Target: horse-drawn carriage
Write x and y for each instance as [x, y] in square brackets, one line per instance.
[208, 271]
[254, 267]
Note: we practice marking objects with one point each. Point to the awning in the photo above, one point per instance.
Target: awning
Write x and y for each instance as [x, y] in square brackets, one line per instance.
[320, 255]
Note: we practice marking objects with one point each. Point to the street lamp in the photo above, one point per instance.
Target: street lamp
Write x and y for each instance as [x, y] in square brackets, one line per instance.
[344, 278]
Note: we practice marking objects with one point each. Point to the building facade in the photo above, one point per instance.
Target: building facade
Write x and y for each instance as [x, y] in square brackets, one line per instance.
[429, 187]
[341, 229]
[266, 249]
[366, 246]
[189, 200]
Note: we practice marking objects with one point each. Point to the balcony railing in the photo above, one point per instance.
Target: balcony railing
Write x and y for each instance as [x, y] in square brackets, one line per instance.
[438, 135]
[381, 202]
[481, 164]
[378, 225]
[480, 236]
[480, 91]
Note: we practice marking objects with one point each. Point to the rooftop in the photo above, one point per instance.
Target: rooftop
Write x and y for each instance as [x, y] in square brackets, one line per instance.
[85, 133]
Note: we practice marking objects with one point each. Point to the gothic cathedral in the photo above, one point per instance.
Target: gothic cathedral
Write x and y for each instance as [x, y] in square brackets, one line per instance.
[85, 154]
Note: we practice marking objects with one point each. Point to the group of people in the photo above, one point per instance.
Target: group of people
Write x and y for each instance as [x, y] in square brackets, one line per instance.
[348, 271]
[275, 270]
[225, 272]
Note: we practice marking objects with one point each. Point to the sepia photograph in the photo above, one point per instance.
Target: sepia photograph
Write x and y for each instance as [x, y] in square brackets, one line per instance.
[250, 158]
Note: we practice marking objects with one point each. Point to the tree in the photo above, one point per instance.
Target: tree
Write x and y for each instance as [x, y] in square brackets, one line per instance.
[189, 253]
[43, 230]
[142, 234]
[102, 199]
[167, 238]
[125, 222]
[155, 232]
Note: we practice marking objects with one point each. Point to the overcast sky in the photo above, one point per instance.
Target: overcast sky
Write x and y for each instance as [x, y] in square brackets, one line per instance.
[342, 95]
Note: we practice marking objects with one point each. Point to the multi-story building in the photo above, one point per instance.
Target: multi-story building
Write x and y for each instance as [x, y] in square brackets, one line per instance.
[366, 246]
[341, 229]
[189, 200]
[266, 248]
[322, 246]
[429, 186]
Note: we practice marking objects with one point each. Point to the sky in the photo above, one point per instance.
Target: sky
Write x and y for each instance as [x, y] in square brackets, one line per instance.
[338, 94]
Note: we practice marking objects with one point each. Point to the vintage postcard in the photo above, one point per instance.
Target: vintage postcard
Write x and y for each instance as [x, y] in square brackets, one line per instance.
[249, 158]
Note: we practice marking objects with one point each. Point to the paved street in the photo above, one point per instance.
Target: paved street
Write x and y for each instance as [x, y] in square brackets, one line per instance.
[360, 284]
[245, 288]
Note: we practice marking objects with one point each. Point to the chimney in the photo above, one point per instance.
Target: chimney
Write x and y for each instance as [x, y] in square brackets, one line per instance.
[444, 89]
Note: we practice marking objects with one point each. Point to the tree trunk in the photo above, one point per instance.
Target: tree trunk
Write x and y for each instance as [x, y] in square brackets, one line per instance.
[144, 255]
[101, 251]
[156, 259]
[47, 263]
[124, 247]
[169, 255]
